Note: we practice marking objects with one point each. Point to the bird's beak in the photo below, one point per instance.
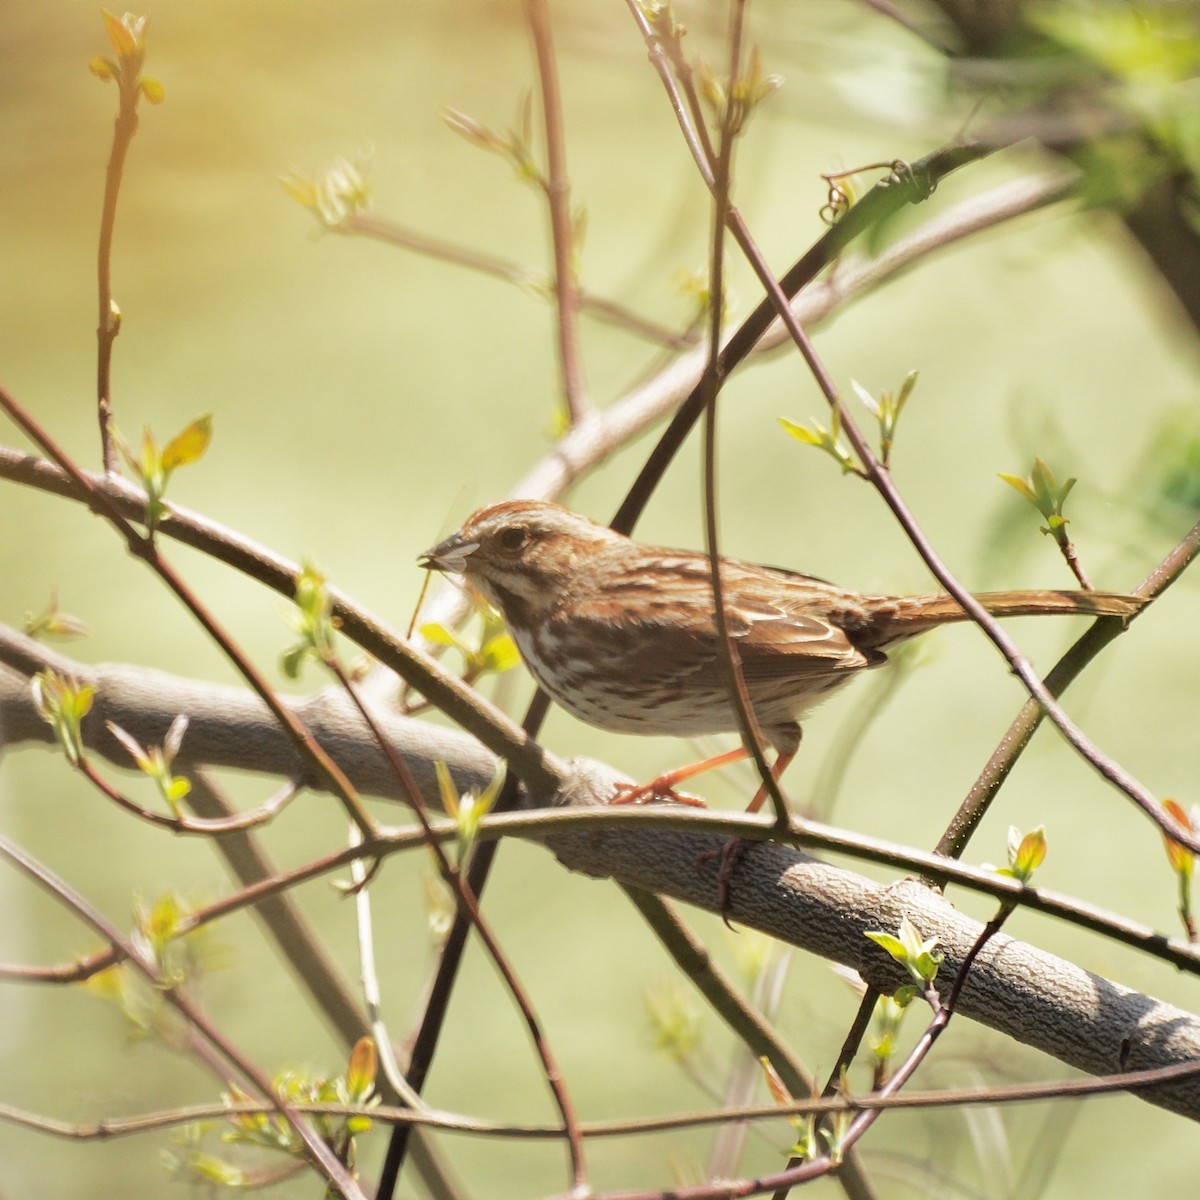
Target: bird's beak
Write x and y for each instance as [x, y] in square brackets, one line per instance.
[449, 556]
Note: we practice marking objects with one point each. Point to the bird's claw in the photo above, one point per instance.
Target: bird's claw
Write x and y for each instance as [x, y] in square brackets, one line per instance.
[652, 793]
[728, 857]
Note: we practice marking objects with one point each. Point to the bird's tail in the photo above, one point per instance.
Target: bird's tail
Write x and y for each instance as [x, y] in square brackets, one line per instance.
[897, 619]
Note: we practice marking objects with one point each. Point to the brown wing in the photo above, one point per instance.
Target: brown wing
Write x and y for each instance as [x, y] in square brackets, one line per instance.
[780, 620]
[783, 627]
[775, 644]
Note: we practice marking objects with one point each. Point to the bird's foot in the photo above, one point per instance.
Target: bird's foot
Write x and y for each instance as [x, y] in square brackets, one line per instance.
[727, 859]
[660, 789]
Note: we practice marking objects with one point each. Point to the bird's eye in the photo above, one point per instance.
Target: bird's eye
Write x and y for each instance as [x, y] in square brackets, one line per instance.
[513, 538]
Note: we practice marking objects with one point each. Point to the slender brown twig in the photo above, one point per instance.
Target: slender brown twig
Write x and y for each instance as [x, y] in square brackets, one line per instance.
[129, 61]
[469, 911]
[144, 546]
[879, 476]
[574, 392]
[1018, 735]
[204, 826]
[882, 201]
[284, 921]
[599, 307]
[803, 1171]
[710, 385]
[558, 199]
[541, 772]
[28, 657]
[318, 1152]
[440, 1119]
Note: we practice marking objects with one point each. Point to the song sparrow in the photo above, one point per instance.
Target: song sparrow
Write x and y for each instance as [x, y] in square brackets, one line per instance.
[624, 636]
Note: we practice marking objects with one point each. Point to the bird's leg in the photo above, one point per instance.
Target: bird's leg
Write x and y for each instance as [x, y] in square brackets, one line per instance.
[781, 764]
[662, 787]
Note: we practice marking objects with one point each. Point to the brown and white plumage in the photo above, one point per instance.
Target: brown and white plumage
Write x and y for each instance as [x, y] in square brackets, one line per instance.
[624, 635]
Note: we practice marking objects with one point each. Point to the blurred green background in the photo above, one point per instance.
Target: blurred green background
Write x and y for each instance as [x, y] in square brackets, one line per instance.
[366, 400]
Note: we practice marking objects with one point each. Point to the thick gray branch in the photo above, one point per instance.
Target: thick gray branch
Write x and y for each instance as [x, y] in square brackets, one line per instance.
[230, 727]
[1040, 1000]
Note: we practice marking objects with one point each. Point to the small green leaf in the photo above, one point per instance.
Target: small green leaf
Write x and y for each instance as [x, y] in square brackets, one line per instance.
[889, 942]
[132, 745]
[802, 433]
[174, 738]
[889, 1016]
[446, 789]
[774, 1081]
[1045, 493]
[439, 635]
[333, 196]
[54, 624]
[361, 1072]
[189, 445]
[152, 89]
[674, 1020]
[440, 907]
[496, 651]
[868, 401]
[1181, 858]
[207, 1168]
[1020, 485]
[177, 789]
[126, 451]
[500, 653]
[1030, 853]
[472, 130]
[906, 389]
[915, 954]
[886, 410]
[1026, 852]
[291, 661]
[301, 189]
[712, 88]
[824, 439]
[469, 808]
[126, 33]
[156, 762]
[63, 703]
[313, 620]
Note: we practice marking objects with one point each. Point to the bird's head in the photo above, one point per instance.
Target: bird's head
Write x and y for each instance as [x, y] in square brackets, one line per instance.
[520, 554]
